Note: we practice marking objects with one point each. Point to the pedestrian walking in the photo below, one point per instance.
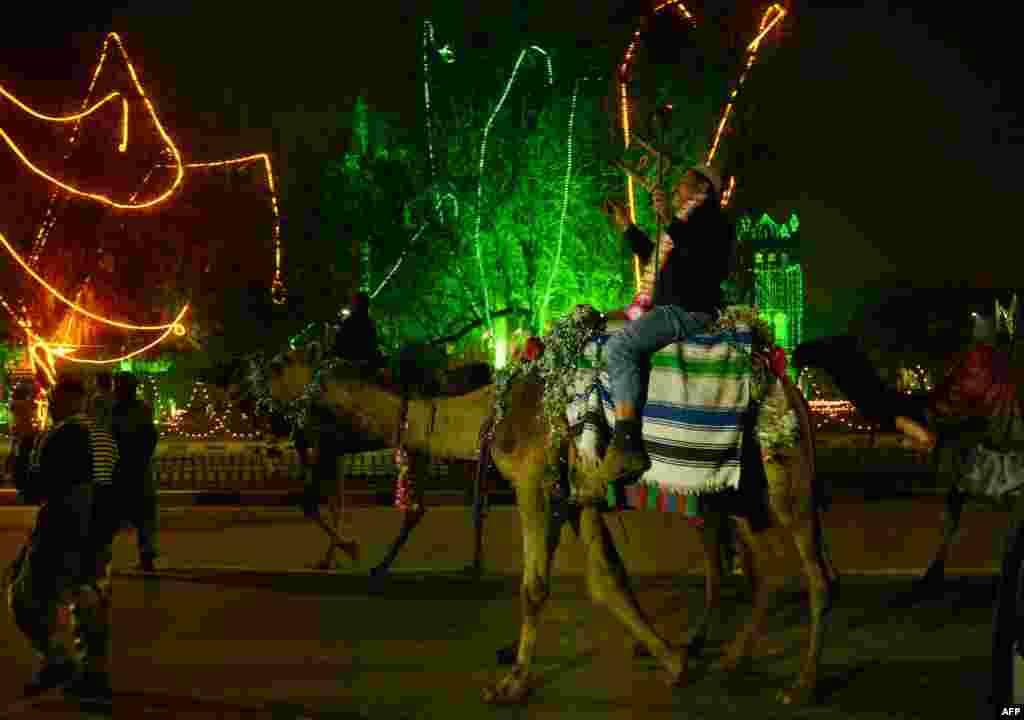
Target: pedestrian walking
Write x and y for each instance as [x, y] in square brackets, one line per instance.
[58, 575]
[136, 435]
[102, 404]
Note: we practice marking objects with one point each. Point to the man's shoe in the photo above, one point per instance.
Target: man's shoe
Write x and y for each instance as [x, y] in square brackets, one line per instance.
[51, 676]
[150, 564]
[91, 686]
[621, 462]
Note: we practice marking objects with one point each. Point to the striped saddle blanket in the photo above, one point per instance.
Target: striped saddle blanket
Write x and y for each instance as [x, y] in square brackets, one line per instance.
[698, 395]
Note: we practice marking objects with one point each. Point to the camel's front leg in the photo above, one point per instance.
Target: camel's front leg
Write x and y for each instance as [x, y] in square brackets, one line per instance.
[711, 543]
[409, 498]
[533, 501]
[608, 584]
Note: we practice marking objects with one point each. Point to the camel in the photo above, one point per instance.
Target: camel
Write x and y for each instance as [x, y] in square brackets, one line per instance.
[523, 450]
[447, 383]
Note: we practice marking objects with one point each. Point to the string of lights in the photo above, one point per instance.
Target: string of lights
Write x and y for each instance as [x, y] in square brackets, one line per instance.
[99, 197]
[277, 288]
[201, 420]
[772, 16]
[42, 351]
[483, 159]
[565, 196]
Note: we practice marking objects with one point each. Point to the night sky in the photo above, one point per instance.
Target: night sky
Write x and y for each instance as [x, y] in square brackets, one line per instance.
[894, 133]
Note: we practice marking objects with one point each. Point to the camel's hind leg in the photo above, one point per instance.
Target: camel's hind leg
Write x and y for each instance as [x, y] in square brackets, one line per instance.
[762, 586]
[711, 544]
[608, 584]
[715, 523]
[809, 539]
[533, 502]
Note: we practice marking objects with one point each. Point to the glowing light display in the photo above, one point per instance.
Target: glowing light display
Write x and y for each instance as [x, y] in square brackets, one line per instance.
[483, 159]
[99, 197]
[772, 16]
[278, 291]
[778, 276]
[42, 352]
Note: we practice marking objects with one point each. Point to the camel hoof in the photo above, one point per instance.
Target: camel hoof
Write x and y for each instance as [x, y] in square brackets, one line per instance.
[677, 666]
[798, 695]
[733, 659]
[508, 654]
[513, 689]
[351, 549]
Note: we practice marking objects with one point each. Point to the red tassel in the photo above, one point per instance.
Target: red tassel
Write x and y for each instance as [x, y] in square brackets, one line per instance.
[534, 349]
[778, 361]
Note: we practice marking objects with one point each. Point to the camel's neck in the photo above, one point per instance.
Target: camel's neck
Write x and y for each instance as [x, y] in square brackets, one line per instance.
[444, 427]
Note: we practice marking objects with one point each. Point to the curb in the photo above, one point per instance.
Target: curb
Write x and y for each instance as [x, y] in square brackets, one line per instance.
[194, 572]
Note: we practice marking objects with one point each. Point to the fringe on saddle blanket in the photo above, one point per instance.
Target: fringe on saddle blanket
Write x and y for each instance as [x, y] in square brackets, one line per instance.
[698, 395]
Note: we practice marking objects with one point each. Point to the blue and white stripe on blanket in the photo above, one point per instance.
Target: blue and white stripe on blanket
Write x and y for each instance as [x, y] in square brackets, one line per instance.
[698, 393]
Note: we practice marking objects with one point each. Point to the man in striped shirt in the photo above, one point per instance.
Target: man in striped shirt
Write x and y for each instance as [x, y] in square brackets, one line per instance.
[62, 568]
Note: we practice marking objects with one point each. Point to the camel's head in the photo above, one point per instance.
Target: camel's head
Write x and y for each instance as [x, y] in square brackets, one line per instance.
[289, 373]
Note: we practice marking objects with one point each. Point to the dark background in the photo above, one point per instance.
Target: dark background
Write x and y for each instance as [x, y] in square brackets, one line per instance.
[893, 132]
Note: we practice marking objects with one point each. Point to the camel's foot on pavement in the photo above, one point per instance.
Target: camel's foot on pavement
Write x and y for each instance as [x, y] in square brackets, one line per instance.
[802, 693]
[350, 548]
[513, 689]
[676, 664]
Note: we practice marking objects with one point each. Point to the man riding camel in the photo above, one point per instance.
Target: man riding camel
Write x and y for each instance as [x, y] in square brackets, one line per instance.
[693, 262]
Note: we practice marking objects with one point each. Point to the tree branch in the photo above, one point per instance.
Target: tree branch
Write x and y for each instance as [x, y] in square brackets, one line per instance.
[455, 337]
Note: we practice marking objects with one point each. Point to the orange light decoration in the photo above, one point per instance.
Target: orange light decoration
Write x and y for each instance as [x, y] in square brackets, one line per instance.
[277, 284]
[625, 78]
[772, 16]
[168, 143]
[72, 304]
[43, 353]
[124, 128]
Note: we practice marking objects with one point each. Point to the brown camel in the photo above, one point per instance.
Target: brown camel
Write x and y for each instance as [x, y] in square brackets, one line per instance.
[523, 450]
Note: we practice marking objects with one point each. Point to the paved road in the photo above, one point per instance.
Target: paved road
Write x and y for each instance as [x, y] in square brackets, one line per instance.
[203, 640]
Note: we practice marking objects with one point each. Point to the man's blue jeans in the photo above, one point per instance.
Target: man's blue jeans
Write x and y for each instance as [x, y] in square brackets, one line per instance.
[629, 352]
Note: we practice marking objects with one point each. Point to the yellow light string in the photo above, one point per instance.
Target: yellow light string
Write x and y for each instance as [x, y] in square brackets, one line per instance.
[625, 72]
[51, 351]
[277, 284]
[772, 16]
[729, 190]
[98, 197]
[58, 118]
[51, 218]
[124, 126]
[56, 293]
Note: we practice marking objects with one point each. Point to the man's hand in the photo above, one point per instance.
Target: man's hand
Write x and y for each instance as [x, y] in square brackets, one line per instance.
[617, 213]
[661, 207]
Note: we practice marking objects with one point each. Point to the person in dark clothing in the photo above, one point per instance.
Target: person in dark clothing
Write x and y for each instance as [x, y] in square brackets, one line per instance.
[356, 340]
[136, 436]
[850, 368]
[59, 568]
[693, 262]
[318, 447]
[23, 435]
